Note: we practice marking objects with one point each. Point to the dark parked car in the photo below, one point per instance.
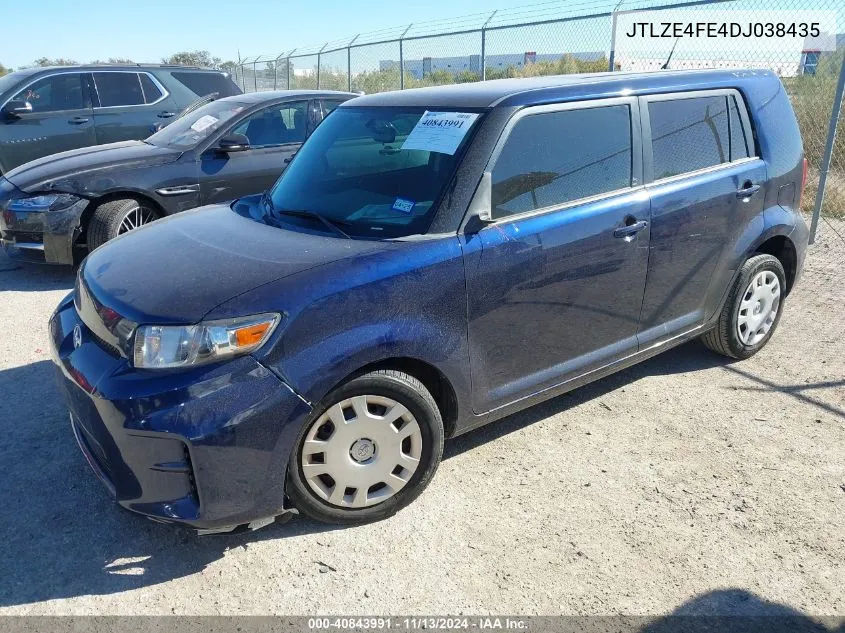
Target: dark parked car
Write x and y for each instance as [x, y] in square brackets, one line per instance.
[54, 209]
[431, 261]
[49, 110]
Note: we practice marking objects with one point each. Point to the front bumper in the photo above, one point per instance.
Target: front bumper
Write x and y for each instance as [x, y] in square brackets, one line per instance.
[41, 236]
[206, 447]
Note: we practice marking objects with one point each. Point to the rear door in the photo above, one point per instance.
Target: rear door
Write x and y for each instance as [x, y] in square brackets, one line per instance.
[704, 181]
[555, 283]
[61, 119]
[275, 133]
[128, 105]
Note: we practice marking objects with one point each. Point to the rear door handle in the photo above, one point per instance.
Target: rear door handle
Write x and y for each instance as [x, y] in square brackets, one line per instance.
[166, 115]
[630, 229]
[78, 120]
[747, 192]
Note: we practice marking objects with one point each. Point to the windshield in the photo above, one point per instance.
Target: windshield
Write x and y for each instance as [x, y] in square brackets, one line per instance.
[12, 79]
[194, 127]
[357, 171]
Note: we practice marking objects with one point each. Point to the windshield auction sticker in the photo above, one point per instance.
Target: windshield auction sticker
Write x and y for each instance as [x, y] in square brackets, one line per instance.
[440, 132]
[203, 123]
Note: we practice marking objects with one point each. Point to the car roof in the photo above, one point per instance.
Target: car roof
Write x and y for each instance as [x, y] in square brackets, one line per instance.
[96, 67]
[272, 95]
[551, 88]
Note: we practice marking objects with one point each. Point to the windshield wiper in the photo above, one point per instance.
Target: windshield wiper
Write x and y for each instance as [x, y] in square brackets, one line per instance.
[308, 213]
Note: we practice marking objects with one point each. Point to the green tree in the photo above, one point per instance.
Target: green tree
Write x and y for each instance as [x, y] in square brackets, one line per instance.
[193, 58]
[61, 61]
[4, 70]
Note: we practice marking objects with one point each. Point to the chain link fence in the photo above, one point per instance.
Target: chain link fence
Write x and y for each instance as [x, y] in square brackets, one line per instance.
[581, 37]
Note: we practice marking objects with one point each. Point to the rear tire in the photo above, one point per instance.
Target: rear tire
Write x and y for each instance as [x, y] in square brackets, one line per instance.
[116, 217]
[369, 457]
[752, 310]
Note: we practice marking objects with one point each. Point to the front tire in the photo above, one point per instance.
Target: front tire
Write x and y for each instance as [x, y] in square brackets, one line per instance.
[117, 217]
[752, 310]
[370, 449]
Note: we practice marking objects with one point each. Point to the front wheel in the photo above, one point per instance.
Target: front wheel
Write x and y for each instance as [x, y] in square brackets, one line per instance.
[371, 449]
[752, 310]
[117, 217]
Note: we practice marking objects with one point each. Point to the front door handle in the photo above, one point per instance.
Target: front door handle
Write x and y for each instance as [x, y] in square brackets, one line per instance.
[630, 229]
[747, 190]
[78, 120]
[166, 115]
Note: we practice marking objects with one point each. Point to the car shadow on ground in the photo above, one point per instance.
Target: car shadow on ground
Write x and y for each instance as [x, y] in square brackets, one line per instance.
[15, 276]
[62, 537]
[739, 611]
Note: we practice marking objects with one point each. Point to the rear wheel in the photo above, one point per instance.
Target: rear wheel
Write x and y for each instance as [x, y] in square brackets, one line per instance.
[370, 450]
[752, 310]
[117, 217]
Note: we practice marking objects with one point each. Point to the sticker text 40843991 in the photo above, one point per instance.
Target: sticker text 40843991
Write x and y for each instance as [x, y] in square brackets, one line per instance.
[440, 131]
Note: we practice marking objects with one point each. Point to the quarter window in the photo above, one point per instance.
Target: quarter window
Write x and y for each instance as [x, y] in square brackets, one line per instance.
[54, 94]
[152, 92]
[553, 158]
[739, 148]
[118, 89]
[688, 134]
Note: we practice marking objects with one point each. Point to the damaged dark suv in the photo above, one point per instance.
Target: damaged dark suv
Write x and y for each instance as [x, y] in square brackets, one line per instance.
[55, 209]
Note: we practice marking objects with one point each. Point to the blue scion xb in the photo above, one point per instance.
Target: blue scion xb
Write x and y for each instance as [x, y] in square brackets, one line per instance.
[430, 261]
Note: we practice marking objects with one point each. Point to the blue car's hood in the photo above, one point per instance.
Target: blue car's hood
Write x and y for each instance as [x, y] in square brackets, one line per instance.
[177, 269]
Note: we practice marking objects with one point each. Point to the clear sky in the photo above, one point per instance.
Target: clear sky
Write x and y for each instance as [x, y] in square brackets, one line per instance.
[148, 30]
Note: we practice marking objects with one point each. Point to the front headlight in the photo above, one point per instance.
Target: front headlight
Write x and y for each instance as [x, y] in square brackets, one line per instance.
[45, 202]
[170, 346]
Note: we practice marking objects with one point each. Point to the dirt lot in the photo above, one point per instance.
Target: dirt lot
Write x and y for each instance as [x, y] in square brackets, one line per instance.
[685, 484]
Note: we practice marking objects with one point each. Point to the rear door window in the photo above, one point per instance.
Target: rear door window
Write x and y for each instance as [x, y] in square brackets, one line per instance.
[118, 89]
[688, 134]
[276, 125]
[202, 84]
[553, 158]
[55, 93]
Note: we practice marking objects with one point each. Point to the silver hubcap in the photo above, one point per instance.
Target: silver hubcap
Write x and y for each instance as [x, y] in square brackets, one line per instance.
[758, 308]
[361, 451]
[135, 218]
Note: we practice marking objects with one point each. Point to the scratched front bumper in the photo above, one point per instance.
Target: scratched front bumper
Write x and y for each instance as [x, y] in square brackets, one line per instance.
[41, 236]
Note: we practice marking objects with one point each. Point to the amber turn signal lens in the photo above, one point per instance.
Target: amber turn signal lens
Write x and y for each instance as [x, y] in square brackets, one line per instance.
[251, 334]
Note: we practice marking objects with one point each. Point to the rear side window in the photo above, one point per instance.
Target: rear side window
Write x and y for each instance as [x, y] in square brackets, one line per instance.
[118, 89]
[152, 92]
[556, 157]
[202, 84]
[688, 134]
[54, 94]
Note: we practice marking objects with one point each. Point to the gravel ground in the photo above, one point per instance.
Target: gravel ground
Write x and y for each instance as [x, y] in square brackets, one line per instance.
[686, 484]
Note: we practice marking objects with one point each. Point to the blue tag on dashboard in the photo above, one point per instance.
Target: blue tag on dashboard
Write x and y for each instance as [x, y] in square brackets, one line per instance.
[403, 206]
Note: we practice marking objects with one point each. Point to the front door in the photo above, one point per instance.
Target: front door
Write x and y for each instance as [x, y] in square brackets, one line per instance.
[555, 284]
[275, 134]
[705, 187]
[61, 120]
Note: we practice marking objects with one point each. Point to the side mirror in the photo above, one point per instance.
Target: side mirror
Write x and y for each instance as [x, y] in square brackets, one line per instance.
[481, 206]
[16, 108]
[233, 143]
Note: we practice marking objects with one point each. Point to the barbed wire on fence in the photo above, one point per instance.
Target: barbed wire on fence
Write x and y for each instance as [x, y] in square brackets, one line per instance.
[553, 37]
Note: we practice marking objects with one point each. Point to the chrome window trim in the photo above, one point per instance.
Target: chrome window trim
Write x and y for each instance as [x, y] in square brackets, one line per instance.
[138, 73]
[636, 151]
[648, 149]
[47, 76]
[568, 205]
[704, 170]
